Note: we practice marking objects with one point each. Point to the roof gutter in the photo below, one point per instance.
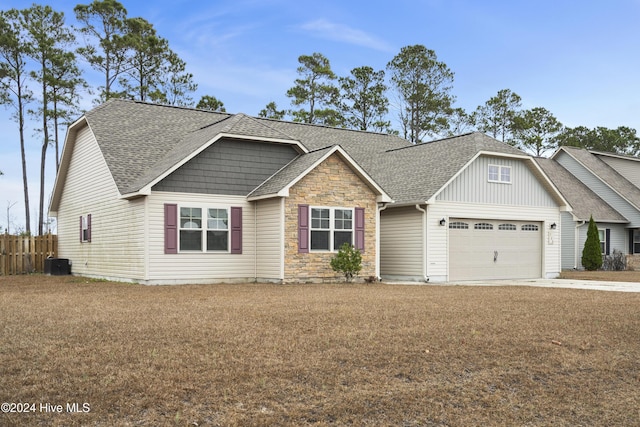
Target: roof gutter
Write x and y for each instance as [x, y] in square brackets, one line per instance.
[424, 242]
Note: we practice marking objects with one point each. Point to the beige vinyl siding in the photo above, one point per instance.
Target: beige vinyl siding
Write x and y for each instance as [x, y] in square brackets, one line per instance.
[201, 267]
[116, 250]
[269, 239]
[401, 244]
[473, 186]
[437, 236]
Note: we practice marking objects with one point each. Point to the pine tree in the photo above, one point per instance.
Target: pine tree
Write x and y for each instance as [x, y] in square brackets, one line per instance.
[592, 253]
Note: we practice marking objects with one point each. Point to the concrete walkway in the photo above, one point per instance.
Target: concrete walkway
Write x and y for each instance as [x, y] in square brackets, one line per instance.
[544, 283]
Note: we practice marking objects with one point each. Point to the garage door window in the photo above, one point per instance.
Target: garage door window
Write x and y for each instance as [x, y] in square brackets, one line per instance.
[459, 225]
[483, 226]
[507, 227]
[529, 227]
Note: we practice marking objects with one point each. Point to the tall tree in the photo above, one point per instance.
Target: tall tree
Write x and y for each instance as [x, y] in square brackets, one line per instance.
[145, 64]
[13, 86]
[536, 130]
[175, 85]
[622, 140]
[460, 122]
[363, 100]
[423, 85]
[106, 50]
[46, 34]
[315, 89]
[66, 81]
[211, 103]
[496, 116]
[270, 111]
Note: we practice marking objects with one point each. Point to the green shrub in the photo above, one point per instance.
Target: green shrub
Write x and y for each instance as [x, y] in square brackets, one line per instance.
[592, 254]
[347, 261]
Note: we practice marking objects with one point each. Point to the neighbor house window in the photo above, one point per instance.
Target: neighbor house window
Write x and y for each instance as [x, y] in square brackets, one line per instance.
[500, 174]
[331, 228]
[636, 241]
[211, 234]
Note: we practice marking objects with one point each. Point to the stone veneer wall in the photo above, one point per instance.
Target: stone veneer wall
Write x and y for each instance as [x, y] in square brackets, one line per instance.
[633, 262]
[332, 184]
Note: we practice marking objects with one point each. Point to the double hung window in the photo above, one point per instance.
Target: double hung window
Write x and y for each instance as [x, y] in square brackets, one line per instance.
[331, 228]
[500, 174]
[210, 233]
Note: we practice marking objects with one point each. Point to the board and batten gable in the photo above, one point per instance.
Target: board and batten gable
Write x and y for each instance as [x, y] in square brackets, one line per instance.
[117, 246]
[233, 167]
[473, 186]
[270, 239]
[198, 267]
[471, 196]
[600, 188]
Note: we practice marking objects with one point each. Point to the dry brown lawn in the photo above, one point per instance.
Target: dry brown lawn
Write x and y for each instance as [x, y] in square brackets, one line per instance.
[292, 355]
[612, 276]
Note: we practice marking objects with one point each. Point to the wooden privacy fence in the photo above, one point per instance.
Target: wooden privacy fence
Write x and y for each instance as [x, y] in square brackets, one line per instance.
[21, 255]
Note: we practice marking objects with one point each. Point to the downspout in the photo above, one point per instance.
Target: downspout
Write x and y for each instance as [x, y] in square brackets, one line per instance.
[577, 240]
[378, 220]
[424, 243]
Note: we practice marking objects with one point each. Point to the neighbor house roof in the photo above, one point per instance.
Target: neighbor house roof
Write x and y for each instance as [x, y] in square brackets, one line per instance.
[605, 173]
[584, 202]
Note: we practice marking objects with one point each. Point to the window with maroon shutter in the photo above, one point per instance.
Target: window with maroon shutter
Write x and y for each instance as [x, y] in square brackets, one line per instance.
[236, 230]
[85, 228]
[170, 228]
[303, 228]
[359, 243]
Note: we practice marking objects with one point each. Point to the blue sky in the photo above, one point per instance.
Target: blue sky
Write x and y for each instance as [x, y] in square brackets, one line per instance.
[578, 59]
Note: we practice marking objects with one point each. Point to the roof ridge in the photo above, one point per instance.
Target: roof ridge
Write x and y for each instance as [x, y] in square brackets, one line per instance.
[427, 143]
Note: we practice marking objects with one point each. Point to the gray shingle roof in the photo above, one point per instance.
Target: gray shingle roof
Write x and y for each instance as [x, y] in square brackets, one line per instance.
[135, 136]
[606, 173]
[141, 142]
[429, 166]
[288, 173]
[583, 201]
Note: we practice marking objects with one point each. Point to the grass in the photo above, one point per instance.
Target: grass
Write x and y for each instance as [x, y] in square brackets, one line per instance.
[613, 276]
[318, 354]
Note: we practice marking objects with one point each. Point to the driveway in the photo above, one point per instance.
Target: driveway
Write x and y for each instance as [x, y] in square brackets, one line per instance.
[595, 285]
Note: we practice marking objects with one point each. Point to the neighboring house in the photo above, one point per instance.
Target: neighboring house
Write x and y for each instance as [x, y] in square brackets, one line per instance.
[161, 195]
[606, 186]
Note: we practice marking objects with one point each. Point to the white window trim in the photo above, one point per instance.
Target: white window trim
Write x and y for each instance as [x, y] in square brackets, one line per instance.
[85, 228]
[500, 169]
[603, 240]
[203, 230]
[332, 226]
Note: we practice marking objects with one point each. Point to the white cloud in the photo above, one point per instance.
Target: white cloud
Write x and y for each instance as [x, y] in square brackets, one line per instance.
[342, 33]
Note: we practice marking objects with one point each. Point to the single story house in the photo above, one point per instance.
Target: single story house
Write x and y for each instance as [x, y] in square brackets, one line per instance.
[605, 186]
[165, 195]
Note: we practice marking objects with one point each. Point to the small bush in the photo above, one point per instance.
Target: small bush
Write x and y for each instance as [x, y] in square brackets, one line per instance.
[617, 261]
[347, 261]
[592, 254]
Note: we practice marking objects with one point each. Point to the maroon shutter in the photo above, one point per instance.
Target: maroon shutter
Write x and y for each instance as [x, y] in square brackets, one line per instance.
[303, 228]
[359, 222]
[89, 228]
[236, 230]
[170, 228]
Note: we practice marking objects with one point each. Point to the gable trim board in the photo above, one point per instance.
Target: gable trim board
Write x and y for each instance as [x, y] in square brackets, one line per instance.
[334, 168]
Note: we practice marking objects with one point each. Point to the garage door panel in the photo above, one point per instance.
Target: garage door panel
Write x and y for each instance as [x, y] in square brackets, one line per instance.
[504, 251]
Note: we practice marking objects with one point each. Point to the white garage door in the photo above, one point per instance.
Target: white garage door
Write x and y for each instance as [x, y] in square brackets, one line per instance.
[491, 249]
